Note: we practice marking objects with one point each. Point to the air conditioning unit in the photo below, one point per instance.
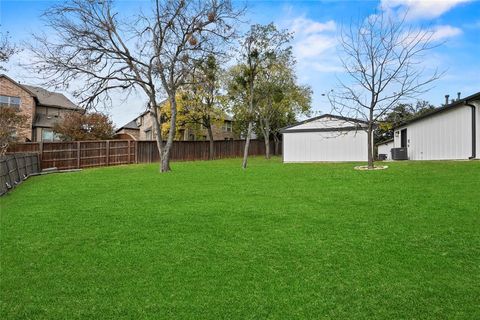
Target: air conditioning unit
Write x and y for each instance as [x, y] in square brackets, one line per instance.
[399, 154]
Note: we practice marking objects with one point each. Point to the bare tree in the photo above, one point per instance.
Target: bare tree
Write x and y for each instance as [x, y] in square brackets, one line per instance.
[154, 52]
[382, 57]
[7, 49]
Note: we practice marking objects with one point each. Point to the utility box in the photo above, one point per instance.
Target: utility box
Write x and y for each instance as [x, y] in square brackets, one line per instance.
[399, 154]
[382, 157]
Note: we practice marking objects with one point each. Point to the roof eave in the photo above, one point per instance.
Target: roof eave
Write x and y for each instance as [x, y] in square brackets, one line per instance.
[439, 110]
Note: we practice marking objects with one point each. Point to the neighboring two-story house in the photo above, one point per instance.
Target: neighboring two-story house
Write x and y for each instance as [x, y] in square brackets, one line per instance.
[42, 108]
[141, 128]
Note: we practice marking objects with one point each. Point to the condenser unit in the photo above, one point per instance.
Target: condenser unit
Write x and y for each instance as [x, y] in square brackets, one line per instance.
[399, 154]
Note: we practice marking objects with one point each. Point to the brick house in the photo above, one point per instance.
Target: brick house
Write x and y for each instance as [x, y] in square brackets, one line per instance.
[41, 107]
[141, 128]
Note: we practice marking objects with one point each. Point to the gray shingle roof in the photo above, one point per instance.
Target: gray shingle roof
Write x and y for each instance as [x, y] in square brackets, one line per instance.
[131, 125]
[54, 99]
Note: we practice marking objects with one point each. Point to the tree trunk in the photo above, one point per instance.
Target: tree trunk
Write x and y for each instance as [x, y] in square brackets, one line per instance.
[370, 147]
[276, 142]
[247, 145]
[250, 125]
[158, 137]
[266, 139]
[165, 153]
[165, 163]
[211, 151]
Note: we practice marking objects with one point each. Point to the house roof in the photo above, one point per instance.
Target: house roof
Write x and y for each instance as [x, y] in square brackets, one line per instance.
[131, 125]
[45, 97]
[352, 120]
[475, 96]
[49, 98]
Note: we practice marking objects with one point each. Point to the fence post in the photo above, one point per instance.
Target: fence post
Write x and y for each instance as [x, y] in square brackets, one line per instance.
[129, 153]
[136, 151]
[40, 147]
[78, 154]
[107, 146]
[151, 155]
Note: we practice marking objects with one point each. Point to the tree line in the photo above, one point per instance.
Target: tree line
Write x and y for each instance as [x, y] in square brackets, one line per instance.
[194, 67]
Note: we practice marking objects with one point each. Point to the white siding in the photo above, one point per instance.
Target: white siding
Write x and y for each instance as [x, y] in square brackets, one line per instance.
[443, 136]
[385, 149]
[478, 129]
[325, 146]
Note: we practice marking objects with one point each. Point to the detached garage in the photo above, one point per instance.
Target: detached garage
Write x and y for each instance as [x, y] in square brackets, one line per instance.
[447, 133]
[325, 138]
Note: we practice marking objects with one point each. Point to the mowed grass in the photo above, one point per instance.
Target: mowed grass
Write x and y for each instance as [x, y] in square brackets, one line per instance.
[278, 241]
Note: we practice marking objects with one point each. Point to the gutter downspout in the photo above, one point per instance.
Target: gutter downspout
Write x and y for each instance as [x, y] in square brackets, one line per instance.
[474, 130]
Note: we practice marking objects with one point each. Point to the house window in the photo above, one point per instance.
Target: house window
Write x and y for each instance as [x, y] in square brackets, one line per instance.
[148, 134]
[227, 126]
[7, 101]
[49, 135]
[52, 112]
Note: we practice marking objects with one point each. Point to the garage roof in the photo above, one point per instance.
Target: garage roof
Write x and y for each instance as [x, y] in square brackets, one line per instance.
[325, 123]
[450, 106]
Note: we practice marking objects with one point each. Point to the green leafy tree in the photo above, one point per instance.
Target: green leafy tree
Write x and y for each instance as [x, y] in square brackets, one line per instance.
[262, 46]
[280, 97]
[202, 99]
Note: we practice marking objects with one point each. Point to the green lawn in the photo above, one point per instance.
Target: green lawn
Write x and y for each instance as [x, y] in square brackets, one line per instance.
[279, 241]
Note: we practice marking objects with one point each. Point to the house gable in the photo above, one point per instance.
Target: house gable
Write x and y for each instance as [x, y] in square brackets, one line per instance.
[27, 107]
[326, 122]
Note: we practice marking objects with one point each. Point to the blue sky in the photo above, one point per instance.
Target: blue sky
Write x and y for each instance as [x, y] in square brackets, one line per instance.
[316, 25]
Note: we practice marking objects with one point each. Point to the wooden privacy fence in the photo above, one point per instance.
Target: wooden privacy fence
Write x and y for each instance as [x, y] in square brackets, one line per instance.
[14, 168]
[85, 154]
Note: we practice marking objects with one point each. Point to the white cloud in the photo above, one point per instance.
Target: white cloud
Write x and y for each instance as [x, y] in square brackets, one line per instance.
[421, 9]
[314, 44]
[307, 26]
[443, 32]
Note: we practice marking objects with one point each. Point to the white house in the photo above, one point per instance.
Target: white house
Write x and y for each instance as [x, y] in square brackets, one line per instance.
[325, 138]
[451, 132]
[385, 148]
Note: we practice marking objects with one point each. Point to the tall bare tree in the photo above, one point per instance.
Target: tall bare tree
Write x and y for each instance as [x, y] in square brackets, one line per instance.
[382, 57]
[7, 49]
[154, 52]
[262, 46]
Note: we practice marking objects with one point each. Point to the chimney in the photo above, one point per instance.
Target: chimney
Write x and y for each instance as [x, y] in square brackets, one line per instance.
[446, 98]
[458, 95]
